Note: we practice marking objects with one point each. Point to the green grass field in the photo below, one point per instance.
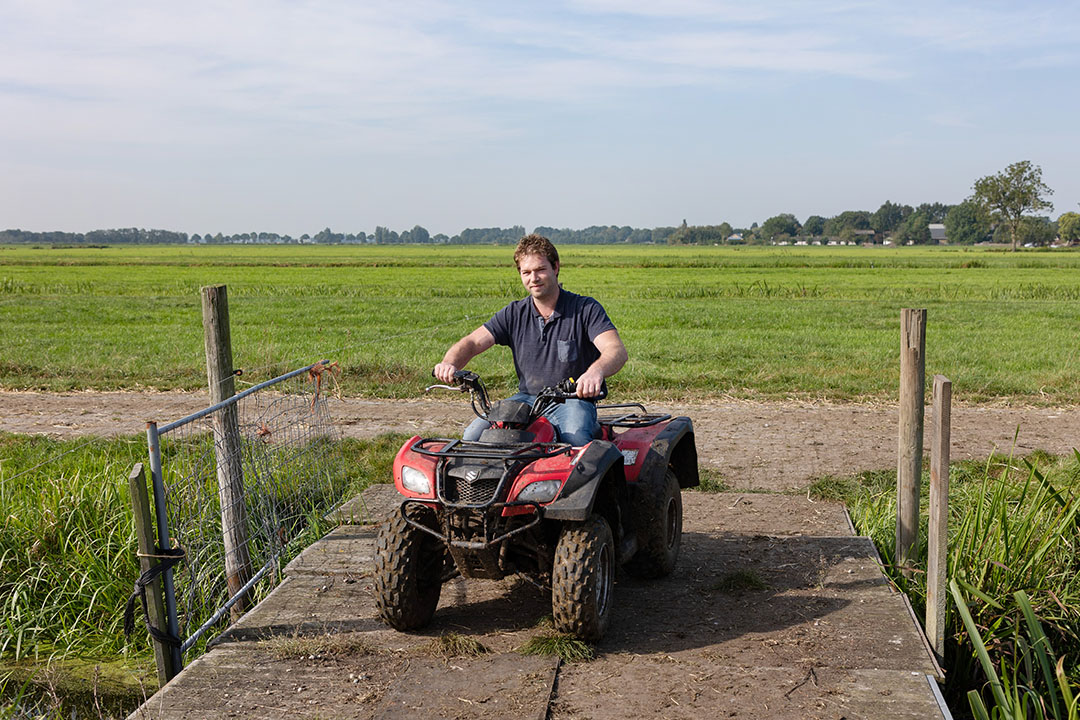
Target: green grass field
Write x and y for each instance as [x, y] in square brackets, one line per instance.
[807, 322]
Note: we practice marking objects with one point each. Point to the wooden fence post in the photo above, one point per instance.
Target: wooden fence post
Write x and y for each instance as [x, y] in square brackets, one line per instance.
[938, 534]
[155, 606]
[219, 373]
[912, 398]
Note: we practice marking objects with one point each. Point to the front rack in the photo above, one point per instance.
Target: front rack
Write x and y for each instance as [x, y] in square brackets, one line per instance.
[486, 451]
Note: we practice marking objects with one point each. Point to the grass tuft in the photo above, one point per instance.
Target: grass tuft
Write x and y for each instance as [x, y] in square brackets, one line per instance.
[712, 481]
[834, 488]
[567, 647]
[328, 645]
[452, 645]
[738, 582]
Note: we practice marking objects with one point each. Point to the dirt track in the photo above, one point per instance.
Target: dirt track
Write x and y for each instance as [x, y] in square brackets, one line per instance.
[773, 446]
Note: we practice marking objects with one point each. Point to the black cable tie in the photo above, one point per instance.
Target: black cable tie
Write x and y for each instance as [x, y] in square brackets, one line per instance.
[175, 556]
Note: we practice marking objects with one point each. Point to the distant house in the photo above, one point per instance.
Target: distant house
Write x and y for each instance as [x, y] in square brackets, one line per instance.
[937, 233]
[865, 236]
[735, 238]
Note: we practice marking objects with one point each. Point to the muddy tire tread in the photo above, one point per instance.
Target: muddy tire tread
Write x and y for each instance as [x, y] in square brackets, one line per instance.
[573, 581]
[404, 599]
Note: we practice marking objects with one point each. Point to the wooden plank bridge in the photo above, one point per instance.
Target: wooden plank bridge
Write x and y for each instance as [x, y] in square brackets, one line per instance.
[776, 609]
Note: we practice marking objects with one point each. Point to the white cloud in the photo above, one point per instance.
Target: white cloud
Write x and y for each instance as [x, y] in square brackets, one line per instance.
[366, 85]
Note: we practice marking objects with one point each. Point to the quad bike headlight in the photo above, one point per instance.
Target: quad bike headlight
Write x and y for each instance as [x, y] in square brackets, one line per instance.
[541, 491]
[415, 480]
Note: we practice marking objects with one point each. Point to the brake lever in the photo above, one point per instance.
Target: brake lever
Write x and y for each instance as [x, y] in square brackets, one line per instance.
[457, 388]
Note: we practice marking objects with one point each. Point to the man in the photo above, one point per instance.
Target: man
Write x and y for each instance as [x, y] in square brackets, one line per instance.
[553, 335]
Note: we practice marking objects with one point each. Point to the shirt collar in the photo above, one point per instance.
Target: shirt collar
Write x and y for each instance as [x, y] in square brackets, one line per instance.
[560, 306]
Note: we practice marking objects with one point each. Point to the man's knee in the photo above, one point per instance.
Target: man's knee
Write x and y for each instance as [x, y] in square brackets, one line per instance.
[475, 429]
[576, 436]
[576, 422]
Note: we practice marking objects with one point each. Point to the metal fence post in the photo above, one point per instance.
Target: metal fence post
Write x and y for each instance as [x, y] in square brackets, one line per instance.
[162, 517]
[938, 534]
[155, 604]
[912, 399]
[230, 472]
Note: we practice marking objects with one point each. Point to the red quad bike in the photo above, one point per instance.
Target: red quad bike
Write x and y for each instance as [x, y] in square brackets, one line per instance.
[519, 501]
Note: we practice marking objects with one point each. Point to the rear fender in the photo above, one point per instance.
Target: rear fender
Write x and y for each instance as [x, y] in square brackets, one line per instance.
[674, 446]
[583, 485]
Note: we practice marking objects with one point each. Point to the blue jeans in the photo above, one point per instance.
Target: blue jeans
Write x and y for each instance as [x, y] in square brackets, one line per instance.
[574, 420]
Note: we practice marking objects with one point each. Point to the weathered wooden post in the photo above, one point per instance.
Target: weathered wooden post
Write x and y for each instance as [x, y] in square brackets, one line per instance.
[155, 605]
[219, 373]
[909, 468]
[938, 533]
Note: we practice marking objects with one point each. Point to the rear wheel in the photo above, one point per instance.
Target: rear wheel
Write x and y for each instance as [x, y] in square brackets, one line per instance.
[408, 573]
[660, 536]
[583, 579]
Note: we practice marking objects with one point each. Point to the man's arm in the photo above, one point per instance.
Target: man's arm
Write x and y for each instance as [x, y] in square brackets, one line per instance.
[612, 358]
[461, 352]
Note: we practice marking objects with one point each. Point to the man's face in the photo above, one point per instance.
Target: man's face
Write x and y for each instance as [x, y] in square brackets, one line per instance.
[539, 277]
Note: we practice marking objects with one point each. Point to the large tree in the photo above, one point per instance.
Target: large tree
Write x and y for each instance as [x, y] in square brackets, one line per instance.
[1012, 194]
[889, 216]
[934, 212]
[915, 230]
[1069, 228]
[966, 224]
[814, 225]
[849, 220]
[779, 225]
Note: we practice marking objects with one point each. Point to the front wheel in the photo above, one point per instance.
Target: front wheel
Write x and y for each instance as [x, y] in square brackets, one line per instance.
[583, 579]
[660, 537]
[408, 573]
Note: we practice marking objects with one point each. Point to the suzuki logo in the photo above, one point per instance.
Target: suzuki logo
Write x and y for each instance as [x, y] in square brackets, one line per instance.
[472, 475]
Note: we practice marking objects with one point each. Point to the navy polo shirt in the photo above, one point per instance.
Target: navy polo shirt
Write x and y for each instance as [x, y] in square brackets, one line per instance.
[546, 353]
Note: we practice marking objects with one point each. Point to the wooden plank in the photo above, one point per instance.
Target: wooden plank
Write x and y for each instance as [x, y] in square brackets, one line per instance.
[155, 606]
[219, 373]
[937, 595]
[909, 468]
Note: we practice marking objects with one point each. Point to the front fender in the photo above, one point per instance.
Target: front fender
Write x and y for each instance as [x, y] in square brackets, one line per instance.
[579, 492]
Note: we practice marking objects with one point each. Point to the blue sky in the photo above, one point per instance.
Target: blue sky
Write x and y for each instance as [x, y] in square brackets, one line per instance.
[294, 116]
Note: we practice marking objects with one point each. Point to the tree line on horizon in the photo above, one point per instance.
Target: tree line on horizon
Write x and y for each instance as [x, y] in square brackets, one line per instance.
[999, 210]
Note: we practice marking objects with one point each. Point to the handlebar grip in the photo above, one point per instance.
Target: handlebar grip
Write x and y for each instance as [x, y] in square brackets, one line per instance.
[459, 375]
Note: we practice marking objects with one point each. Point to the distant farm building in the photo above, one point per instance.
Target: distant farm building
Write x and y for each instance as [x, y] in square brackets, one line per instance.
[937, 233]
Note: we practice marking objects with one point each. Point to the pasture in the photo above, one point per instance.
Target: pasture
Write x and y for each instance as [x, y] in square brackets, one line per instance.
[699, 322]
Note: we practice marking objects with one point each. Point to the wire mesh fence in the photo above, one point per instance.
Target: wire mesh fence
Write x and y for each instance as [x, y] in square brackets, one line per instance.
[236, 486]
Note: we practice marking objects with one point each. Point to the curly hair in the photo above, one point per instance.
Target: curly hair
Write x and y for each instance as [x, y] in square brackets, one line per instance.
[535, 245]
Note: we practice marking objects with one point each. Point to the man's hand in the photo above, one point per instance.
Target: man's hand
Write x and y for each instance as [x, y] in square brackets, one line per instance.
[590, 384]
[444, 371]
[612, 358]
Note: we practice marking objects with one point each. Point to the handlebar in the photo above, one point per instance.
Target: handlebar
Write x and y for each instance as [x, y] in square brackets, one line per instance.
[467, 381]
